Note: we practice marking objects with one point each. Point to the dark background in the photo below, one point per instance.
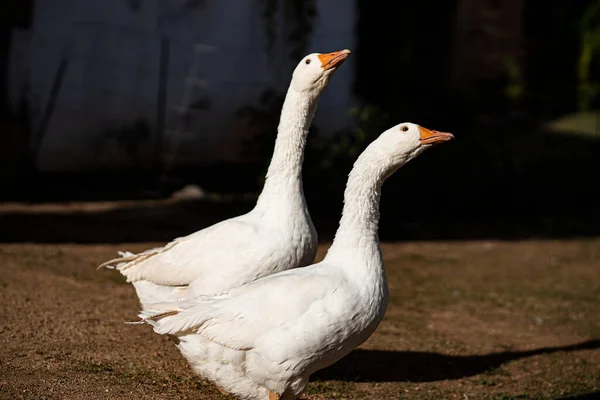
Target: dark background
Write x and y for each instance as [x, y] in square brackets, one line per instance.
[494, 73]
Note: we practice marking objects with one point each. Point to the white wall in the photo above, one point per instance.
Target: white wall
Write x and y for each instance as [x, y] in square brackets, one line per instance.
[113, 70]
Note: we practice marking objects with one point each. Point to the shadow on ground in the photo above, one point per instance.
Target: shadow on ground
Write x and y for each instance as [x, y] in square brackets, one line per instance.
[412, 366]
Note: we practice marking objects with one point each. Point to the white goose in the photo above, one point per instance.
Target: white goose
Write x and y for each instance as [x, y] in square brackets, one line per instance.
[276, 235]
[264, 339]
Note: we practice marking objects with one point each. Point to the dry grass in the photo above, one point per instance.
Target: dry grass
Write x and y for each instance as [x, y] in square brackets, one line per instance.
[467, 320]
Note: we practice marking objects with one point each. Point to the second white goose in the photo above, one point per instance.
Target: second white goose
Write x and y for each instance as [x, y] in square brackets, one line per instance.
[264, 339]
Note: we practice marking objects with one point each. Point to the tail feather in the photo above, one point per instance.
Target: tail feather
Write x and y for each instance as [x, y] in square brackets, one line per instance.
[175, 321]
[130, 259]
[135, 322]
[157, 312]
[157, 317]
[126, 257]
[111, 264]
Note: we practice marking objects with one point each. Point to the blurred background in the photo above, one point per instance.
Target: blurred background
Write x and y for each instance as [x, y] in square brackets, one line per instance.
[131, 120]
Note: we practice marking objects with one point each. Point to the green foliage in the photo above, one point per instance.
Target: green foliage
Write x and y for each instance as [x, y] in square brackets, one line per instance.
[589, 27]
[515, 88]
[333, 156]
[347, 144]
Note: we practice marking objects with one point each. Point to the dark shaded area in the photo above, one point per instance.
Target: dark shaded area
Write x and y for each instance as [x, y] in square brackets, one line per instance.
[143, 223]
[504, 184]
[403, 67]
[409, 366]
[162, 222]
[14, 118]
[13, 14]
[503, 172]
[493, 84]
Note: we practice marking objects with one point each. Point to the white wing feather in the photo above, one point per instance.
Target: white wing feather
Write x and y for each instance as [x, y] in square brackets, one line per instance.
[187, 258]
[239, 317]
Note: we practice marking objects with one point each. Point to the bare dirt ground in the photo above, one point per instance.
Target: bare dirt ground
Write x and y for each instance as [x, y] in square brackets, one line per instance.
[467, 320]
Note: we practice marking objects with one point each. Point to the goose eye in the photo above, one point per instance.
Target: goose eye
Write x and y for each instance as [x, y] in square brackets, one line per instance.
[307, 61]
[404, 128]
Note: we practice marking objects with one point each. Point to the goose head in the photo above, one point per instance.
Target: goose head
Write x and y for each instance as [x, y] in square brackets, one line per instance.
[314, 71]
[403, 142]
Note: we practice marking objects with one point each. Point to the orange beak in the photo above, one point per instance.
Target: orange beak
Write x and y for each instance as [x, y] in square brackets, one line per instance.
[434, 137]
[333, 60]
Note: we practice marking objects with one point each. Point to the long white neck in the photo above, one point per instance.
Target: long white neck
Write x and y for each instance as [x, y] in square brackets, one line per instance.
[284, 176]
[357, 233]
